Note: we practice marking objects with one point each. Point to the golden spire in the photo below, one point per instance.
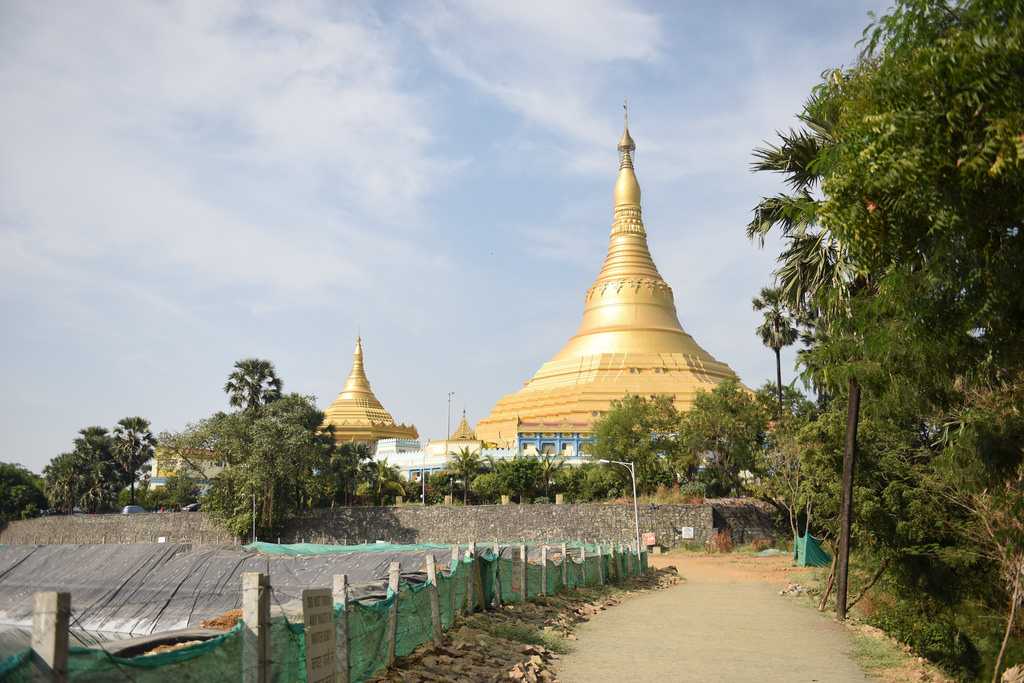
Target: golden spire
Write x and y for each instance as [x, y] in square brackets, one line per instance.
[629, 341]
[357, 385]
[357, 414]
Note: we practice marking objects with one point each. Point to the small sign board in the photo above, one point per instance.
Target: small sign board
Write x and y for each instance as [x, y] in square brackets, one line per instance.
[686, 532]
[161, 539]
[649, 539]
[318, 620]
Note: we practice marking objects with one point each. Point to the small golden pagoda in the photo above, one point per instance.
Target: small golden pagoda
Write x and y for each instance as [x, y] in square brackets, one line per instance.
[357, 415]
[630, 341]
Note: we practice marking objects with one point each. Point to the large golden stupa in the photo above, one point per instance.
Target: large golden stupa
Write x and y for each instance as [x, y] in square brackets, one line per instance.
[357, 415]
[630, 341]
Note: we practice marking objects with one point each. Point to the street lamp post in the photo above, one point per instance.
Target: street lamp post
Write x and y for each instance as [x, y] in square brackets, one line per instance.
[423, 476]
[636, 507]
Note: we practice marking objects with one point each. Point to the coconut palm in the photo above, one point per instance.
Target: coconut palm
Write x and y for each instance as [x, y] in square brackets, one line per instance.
[777, 330]
[464, 465]
[254, 383]
[98, 479]
[384, 479]
[550, 464]
[133, 447]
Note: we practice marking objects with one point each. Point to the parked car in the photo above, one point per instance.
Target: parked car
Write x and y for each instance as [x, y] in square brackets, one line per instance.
[132, 509]
[191, 507]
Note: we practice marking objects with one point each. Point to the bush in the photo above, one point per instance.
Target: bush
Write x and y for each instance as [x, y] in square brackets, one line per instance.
[932, 635]
[720, 542]
[760, 544]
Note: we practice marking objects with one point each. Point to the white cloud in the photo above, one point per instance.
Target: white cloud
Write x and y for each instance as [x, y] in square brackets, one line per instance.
[198, 136]
[542, 59]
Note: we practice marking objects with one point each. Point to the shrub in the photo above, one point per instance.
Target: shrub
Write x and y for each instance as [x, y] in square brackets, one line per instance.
[760, 544]
[931, 634]
[720, 542]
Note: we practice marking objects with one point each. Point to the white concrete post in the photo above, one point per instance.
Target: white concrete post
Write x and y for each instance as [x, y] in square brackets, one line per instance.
[565, 567]
[256, 615]
[600, 564]
[497, 574]
[453, 567]
[471, 579]
[394, 572]
[435, 605]
[523, 572]
[51, 613]
[543, 570]
[583, 559]
[340, 592]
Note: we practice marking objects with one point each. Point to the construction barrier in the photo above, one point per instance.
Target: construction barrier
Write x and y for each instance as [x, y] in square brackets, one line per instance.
[372, 631]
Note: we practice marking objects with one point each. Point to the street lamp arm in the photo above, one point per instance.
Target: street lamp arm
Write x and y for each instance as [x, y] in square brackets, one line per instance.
[636, 506]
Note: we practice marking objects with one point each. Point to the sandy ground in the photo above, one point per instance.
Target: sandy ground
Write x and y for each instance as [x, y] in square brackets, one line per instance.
[726, 623]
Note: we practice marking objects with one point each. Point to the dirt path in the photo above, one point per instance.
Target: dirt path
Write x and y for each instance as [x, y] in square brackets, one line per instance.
[726, 623]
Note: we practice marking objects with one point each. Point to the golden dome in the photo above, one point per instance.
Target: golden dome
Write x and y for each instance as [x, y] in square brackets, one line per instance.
[463, 432]
[629, 341]
[357, 415]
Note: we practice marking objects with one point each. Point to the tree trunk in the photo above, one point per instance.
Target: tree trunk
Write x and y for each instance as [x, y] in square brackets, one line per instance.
[874, 579]
[133, 491]
[778, 375]
[1014, 598]
[828, 585]
[846, 510]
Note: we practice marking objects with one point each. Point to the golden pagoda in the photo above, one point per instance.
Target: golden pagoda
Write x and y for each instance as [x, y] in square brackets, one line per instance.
[357, 415]
[629, 342]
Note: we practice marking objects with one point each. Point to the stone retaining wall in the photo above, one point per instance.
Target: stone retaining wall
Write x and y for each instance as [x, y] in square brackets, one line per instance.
[146, 527]
[745, 519]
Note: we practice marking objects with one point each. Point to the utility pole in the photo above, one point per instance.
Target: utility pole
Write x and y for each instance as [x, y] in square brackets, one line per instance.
[253, 517]
[423, 475]
[846, 509]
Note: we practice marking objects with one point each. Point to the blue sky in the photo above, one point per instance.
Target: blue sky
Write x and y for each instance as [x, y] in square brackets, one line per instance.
[186, 184]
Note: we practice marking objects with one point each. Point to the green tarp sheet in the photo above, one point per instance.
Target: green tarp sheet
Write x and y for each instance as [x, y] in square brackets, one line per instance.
[807, 552]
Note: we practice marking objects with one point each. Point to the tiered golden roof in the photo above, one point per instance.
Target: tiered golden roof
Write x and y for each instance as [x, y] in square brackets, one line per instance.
[630, 339]
[463, 432]
[357, 415]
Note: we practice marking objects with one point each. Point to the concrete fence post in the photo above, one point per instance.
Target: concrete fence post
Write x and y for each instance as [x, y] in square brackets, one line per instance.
[543, 570]
[51, 613]
[600, 564]
[394, 573]
[497, 574]
[256, 640]
[583, 560]
[523, 572]
[471, 578]
[435, 605]
[340, 594]
[453, 567]
[615, 563]
[565, 567]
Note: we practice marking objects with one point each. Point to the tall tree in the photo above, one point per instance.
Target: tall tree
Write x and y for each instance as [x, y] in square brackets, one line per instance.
[776, 330]
[642, 431]
[253, 383]
[21, 493]
[62, 482]
[133, 447]
[98, 478]
[465, 465]
[550, 464]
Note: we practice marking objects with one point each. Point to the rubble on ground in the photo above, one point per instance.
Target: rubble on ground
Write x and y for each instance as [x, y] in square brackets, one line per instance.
[475, 651]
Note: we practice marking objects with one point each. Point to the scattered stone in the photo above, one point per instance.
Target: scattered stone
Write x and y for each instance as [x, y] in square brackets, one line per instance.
[793, 589]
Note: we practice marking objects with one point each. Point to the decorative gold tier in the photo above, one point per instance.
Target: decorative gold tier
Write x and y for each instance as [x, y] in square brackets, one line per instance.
[629, 341]
[357, 415]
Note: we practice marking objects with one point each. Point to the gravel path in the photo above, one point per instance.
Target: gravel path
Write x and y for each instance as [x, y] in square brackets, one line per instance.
[726, 623]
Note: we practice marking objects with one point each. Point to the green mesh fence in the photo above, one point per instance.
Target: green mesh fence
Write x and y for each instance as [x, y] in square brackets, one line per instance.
[221, 658]
[368, 637]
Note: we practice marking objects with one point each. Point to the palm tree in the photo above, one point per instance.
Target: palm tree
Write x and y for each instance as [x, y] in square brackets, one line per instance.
[550, 463]
[384, 479]
[253, 383]
[61, 482]
[133, 447]
[464, 465]
[777, 330]
[815, 273]
[93, 459]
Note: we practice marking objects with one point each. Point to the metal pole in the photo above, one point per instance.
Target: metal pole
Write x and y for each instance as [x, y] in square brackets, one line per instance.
[254, 518]
[636, 510]
[423, 476]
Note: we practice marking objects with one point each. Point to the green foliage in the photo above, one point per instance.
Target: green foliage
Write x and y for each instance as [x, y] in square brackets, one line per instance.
[134, 445]
[726, 428]
[21, 493]
[278, 454]
[641, 431]
[777, 329]
[346, 463]
[253, 383]
[518, 476]
[932, 633]
[487, 487]
[464, 466]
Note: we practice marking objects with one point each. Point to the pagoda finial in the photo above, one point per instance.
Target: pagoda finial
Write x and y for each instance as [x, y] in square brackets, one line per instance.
[627, 189]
